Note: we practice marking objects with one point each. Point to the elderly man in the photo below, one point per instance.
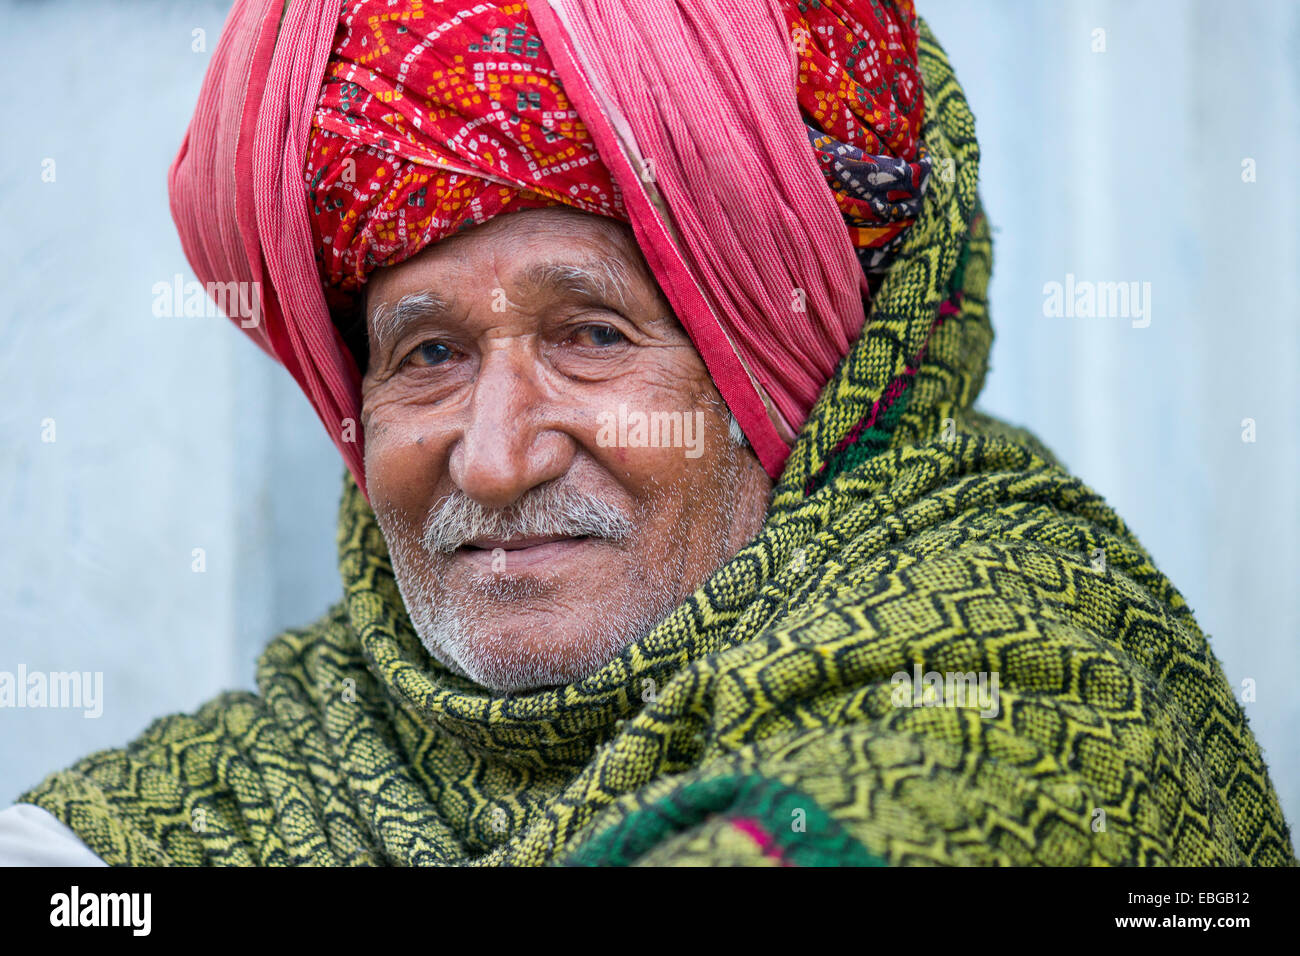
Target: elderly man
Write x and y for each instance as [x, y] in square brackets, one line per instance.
[530, 543]
[650, 333]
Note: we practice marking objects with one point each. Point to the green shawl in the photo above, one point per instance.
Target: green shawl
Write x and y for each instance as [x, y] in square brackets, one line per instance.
[762, 721]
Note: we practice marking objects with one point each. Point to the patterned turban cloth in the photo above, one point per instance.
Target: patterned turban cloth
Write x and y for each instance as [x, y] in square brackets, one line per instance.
[430, 122]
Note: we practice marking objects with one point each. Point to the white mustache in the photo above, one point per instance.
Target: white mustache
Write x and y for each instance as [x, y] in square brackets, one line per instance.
[548, 509]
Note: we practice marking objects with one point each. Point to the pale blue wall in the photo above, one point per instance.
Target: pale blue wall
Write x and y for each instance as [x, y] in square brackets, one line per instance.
[1127, 165]
[171, 433]
[177, 433]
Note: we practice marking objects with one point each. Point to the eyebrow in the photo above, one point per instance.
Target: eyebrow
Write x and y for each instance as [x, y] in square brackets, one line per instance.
[598, 279]
[388, 321]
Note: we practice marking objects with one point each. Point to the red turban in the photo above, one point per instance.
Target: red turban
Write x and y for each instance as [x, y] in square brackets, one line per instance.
[428, 123]
[763, 154]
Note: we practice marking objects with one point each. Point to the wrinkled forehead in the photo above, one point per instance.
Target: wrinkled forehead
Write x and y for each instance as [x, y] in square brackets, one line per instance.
[521, 243]
[540, 253]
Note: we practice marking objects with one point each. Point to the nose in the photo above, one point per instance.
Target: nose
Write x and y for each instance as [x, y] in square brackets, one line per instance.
[511, 441]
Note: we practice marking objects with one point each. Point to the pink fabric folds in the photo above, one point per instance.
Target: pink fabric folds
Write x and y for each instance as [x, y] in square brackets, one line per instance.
[692, 106]
[240, 206]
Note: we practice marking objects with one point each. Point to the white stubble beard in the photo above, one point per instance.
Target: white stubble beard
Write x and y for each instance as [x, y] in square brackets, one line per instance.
[455, 628]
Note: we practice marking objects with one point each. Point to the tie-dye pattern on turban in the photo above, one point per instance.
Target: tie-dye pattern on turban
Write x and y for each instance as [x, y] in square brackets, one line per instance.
[429, 123]
[765, 152]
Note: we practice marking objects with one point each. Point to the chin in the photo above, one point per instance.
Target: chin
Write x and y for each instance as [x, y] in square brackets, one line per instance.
[520, 651]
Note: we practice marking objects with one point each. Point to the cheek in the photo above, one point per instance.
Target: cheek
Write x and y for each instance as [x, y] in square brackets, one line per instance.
[403, 461]
[690, 471]
[674, 384]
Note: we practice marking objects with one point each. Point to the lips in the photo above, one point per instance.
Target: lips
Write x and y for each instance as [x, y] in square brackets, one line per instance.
[513, 555]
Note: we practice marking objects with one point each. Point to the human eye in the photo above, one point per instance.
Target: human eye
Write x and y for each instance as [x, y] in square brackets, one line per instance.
[598, 335]
[428, 354]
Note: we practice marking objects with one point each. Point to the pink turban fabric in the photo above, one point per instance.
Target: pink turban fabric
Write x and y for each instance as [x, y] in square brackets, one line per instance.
[782, 140]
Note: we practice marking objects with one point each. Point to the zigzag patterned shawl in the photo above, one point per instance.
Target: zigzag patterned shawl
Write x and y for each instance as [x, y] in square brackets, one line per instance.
[759, 722]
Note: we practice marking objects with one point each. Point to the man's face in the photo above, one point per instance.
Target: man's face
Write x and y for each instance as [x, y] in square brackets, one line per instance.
[519, 372]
